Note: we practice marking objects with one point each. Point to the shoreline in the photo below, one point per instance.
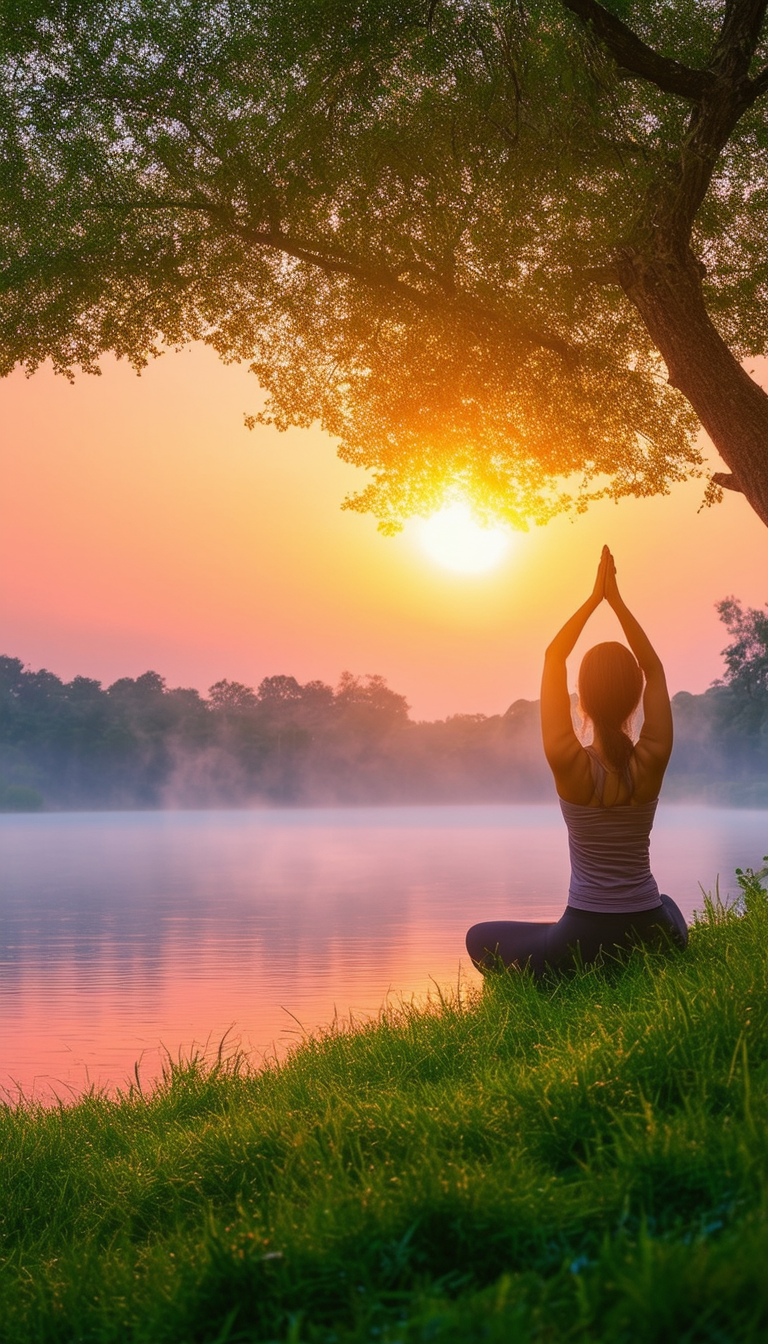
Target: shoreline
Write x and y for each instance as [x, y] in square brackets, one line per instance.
[268, 807]
[583, 1157]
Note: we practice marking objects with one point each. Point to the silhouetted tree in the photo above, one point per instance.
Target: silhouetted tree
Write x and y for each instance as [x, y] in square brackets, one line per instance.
[231, 695]
[468, 236]
[372, 696]
[279, 688]
[741, 695]
[746, 657]
[317, 696]
[740, 719]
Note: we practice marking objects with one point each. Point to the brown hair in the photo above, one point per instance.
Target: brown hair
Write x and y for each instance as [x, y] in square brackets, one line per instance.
[610, 686]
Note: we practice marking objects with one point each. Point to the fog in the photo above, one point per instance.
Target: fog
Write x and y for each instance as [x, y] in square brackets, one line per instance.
[141, 744]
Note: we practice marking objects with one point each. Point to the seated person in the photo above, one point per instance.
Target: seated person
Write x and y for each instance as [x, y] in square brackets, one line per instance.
[608, 794]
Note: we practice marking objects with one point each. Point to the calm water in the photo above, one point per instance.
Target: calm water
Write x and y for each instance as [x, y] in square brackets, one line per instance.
[123, 934]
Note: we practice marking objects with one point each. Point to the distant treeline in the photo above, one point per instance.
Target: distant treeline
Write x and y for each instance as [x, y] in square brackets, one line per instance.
[139, 744]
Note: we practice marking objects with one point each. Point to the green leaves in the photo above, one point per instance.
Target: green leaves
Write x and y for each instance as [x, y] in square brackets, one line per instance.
[404, 216]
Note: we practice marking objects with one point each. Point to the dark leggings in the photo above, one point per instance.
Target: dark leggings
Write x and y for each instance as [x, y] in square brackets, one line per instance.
[577, 935]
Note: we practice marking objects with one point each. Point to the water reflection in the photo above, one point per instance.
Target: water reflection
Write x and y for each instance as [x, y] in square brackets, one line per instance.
[122, 931]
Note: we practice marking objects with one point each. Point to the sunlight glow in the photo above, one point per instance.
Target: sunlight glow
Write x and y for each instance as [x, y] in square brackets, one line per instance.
[455, 539]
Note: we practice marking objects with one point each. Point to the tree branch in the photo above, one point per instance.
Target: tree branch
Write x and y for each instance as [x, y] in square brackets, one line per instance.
[384, 279]
[759, 85]
[335, 261]
[673, 200]
[713, 119]
[738, 38]
[636, 57]
[726, 481]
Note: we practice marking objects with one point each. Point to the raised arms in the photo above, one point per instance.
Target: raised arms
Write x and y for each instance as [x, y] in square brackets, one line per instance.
[654, 746]
[561, 745]
[566, 756]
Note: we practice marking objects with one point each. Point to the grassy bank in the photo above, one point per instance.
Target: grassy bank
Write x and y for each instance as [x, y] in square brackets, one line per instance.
[581, 1160]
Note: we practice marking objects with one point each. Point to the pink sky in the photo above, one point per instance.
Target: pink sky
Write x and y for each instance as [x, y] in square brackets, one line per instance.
[144, 527]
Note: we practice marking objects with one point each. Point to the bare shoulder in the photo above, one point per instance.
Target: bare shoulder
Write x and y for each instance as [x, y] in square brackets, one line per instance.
[573, 776]
[647, 766]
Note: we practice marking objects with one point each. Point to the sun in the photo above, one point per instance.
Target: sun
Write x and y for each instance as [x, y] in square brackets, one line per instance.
[454, 538]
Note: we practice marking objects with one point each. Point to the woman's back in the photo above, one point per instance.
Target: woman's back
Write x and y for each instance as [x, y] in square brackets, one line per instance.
[610, 688]
[585, 778]
[608, 796]
[633, 785]
[609, 844]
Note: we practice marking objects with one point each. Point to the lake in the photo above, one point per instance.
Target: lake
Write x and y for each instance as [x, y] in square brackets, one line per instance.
[127, 935]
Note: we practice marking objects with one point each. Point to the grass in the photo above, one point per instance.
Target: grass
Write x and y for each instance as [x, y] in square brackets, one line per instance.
[585, 1159]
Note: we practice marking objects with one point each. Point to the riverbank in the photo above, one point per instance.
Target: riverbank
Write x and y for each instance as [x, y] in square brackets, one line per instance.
[582, 1160]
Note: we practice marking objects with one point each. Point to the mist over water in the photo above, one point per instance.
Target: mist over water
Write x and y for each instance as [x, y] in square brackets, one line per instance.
[125, 933]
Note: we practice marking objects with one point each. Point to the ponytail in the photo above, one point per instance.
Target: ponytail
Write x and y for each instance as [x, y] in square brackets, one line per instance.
[616, 743]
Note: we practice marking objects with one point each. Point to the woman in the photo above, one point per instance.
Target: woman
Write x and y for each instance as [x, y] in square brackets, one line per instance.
[608, 794]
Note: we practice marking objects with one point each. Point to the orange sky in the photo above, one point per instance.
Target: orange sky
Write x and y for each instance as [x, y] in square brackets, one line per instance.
[144, 527]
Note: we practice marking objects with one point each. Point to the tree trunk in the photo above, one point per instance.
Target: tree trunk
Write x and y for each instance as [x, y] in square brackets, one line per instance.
[667, 293]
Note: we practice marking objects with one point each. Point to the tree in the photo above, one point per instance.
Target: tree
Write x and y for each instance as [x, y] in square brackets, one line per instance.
[279, 689]
[231, 696]
[510, 250]
[146, 689]
[746, 657]
[741, 707]
[379, 704]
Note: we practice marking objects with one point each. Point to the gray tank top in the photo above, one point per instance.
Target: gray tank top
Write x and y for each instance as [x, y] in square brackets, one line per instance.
[610, 852]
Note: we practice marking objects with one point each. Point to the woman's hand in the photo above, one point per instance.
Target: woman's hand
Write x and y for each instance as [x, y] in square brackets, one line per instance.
[561, 745]
[611, 587]
[599, 590]
[563, 643]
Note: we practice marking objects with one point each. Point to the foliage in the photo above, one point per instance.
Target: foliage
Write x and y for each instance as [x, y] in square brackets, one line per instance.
[232, 695]
[141, 744]
[746, 657]
[408, 217]
[583, 1159]
[741, 720]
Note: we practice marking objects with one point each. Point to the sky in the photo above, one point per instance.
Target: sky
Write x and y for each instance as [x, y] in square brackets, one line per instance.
[143, 526]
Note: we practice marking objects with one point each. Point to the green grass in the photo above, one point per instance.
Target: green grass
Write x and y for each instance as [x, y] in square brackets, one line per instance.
[585, 1159]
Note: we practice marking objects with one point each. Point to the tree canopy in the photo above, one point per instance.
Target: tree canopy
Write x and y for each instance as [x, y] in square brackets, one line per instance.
[512, 249]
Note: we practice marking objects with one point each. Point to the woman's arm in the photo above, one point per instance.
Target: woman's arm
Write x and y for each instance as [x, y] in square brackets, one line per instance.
[561, 745]
[654, 746]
